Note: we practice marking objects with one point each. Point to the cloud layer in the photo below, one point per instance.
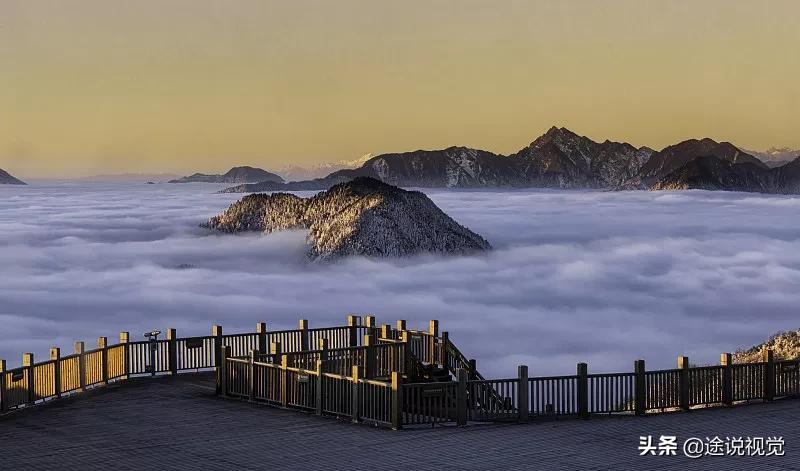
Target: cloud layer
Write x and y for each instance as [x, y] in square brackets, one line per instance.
[599, 277]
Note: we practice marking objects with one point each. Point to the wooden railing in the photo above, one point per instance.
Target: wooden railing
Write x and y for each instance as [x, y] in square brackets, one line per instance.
[314, 390]
[582, 395]
[389, 376]
[376, 361]
[59, 376]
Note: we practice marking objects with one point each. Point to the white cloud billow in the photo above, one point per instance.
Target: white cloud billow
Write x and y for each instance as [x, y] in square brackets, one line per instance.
[601, 277]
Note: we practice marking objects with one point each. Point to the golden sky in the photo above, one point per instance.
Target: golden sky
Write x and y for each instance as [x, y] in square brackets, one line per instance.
[111, 86]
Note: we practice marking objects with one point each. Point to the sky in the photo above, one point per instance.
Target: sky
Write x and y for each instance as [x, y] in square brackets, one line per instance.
[112, 86]
[575, 276]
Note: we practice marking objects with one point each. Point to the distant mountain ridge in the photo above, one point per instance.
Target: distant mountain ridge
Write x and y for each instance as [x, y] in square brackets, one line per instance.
[561, 158]
[775, 156]
[129, 177]
[8, 179]
[291, 172]
[242, 174]
[558, 159]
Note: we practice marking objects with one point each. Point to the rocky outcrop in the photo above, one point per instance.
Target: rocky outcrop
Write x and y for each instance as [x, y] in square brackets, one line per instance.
[7, 179]
[361, 217]
[234, 175]
[785, 346]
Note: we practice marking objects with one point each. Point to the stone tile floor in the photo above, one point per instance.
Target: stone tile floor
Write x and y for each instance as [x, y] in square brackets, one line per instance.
[179, 424]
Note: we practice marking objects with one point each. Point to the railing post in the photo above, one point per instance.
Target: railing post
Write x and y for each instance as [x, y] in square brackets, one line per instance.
[352, 324]
[320, 383]
[401, 326]
[583, 390]
[461, 397]
[725, 360]
[172, 350]
[369, 322]
[27, 361]
[252, 378]
[275, 352]
[55, 357]
[683, 365]
[261, 330]
[303, 325]
[216, 332]
[522, 392]
[473, 369]
[222, 372]
[356, 406]
[3, 405]
[323, 350]
[406, 339]
[443, 353]
[284, 381]
[433, 330]
[102, 344]
[769, 374]
[640, 388]
[370, 362]
[397, 400]
[79, 349]
[123, 340]
[386, 331]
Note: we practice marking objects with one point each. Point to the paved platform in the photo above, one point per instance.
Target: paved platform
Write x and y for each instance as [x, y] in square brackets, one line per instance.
[179, 424]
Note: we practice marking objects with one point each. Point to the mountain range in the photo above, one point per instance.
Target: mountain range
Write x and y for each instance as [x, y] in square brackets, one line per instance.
[235, 175]
[361, 217]
[293, 173]
[563, 159]
[775, 156]
[8, 179]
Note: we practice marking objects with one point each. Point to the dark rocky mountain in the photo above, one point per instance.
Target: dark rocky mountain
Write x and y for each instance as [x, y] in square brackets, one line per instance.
[563, 159]
[672, 158]
[715, 173]
[708, 165]
[785, 179]
[361, 217]
[7, 179]
[560, 159]
[234, 175]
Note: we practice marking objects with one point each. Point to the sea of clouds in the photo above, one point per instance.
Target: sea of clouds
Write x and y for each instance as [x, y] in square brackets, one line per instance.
[600, 277]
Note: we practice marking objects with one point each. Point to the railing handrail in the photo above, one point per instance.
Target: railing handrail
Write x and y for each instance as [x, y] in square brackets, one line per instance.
[469, 397]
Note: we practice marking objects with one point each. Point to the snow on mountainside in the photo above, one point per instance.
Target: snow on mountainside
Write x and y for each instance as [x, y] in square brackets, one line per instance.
[775, 156]
[785, 345]
[7, 179]
[560, 158]
[360, 217]
[293, 173]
